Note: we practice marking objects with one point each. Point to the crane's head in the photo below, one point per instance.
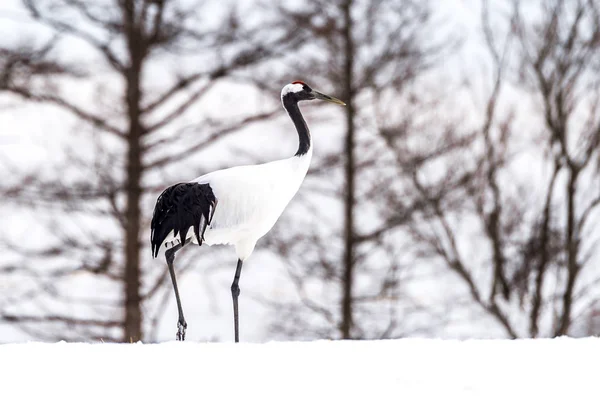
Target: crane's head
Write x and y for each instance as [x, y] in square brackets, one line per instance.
[300, 91]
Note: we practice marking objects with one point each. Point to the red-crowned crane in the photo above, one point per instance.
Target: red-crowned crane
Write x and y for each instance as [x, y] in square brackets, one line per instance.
[235, 206]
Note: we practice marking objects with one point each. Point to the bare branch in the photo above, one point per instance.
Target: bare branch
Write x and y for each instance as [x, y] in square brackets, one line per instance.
[85, 115]
[212, 138]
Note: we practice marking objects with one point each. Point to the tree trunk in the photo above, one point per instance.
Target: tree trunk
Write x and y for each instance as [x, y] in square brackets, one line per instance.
[348, 273]
[136, 47]
[133, 311]
[572, 251]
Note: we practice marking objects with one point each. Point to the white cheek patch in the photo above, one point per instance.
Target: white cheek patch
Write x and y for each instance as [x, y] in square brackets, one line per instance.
[291, 88]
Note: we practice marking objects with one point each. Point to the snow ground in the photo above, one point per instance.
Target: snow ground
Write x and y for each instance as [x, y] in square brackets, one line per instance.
[407, 368]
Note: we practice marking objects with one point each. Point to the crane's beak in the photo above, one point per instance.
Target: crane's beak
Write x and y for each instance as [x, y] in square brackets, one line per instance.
[325, 97]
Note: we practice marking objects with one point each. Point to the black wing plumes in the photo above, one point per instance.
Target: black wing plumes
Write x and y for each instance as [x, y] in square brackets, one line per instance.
[178, 208]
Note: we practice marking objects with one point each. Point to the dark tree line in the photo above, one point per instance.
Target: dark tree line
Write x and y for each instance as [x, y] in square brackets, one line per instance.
[421, 207]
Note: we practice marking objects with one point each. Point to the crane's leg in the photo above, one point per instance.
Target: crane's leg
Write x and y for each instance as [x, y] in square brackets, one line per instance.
[235, 293]
[181, 323]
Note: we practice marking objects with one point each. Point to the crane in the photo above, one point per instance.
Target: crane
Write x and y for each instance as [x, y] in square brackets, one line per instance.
[234, 206]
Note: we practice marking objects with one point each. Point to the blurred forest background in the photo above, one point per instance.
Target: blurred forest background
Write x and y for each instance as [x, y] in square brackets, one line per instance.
[457, 195]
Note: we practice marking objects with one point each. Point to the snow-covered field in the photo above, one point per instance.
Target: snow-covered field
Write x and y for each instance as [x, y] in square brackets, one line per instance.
[408, 368]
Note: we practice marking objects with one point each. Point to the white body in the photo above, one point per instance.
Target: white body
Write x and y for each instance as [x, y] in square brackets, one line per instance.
[250, 199]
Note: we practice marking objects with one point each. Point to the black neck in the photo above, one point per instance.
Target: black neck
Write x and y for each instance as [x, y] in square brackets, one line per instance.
[291, 106]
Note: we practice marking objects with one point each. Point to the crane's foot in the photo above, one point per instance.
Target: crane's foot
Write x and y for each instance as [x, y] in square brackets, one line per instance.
[181, 326]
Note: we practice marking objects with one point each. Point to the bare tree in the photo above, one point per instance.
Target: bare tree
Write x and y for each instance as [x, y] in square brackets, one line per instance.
[131, 134]
[345, 270]
[521, 241]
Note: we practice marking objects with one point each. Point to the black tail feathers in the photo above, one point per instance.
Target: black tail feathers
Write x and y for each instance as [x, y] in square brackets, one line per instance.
[178, 208]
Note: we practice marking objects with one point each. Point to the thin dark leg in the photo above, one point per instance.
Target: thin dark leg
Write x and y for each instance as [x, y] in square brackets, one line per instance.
[235, 293]
[181, 323]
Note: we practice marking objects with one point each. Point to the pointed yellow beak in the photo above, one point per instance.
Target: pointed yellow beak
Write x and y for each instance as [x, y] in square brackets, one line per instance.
[325, 97]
